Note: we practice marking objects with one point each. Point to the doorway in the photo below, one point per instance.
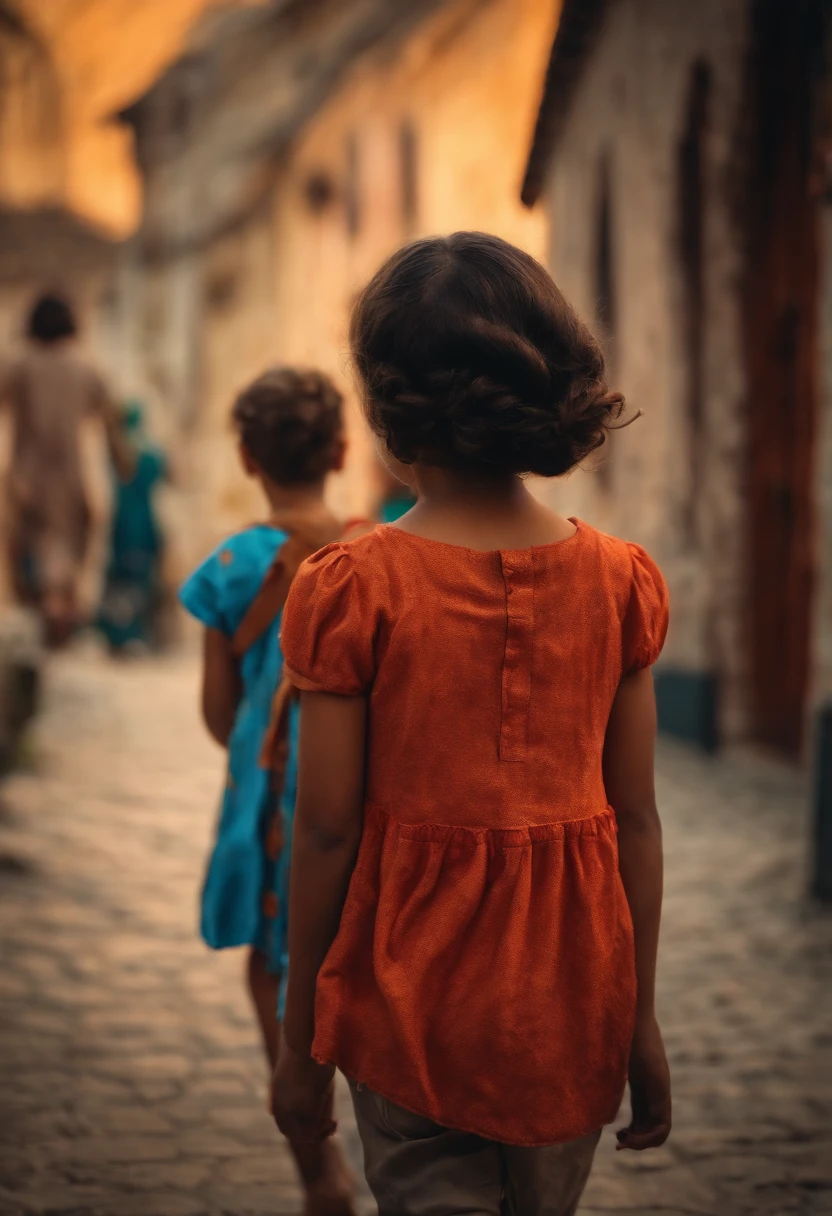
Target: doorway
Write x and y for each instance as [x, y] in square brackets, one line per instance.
[781, 322]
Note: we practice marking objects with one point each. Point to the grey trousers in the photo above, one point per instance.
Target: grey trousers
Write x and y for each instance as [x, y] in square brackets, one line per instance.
[416, 1168]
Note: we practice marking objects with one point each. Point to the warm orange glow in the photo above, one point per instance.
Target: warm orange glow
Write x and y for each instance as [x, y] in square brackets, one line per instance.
[105, 53]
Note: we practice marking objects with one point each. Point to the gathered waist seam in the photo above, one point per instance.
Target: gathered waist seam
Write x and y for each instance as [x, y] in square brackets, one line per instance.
[518, 836]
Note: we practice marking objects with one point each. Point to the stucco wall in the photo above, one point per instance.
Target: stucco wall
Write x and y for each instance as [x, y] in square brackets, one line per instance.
[202, 317]
[468, 84]
[631, 109]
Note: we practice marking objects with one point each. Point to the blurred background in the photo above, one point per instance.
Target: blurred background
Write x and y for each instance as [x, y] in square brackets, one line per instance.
[209, 183]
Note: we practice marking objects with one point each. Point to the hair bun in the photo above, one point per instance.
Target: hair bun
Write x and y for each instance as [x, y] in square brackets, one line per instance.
[475, 419]
[471, 357]
[577, 427]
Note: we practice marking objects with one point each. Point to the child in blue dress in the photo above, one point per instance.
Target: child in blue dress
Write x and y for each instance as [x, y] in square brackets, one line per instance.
[290, 432]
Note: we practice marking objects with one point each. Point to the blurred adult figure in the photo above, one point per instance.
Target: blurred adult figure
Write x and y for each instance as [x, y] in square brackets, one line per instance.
[133, 593]
[51, 391]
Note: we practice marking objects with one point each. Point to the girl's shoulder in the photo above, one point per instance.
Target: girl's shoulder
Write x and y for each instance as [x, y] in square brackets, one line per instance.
[333, 613]
[344, 560]
[250, 545]
[637, 586]
[221, 588]
[622, 567]
[592, 555]
[624, 561]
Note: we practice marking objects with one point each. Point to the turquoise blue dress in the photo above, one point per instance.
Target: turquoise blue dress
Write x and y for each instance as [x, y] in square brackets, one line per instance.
[241, 880]
[131, 597]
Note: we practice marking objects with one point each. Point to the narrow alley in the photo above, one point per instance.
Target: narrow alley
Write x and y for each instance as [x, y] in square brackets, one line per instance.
[132, 1083]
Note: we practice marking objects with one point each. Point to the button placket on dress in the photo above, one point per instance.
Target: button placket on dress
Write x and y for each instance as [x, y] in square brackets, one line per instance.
[518, 574]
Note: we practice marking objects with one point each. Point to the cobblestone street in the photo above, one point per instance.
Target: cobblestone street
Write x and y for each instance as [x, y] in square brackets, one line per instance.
[132, 1082]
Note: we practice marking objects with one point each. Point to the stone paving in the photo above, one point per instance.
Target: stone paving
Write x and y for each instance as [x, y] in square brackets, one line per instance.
[131, 1082]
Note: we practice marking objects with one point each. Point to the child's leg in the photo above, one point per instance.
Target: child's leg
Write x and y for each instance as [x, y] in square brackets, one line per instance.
[264, 988]
[323, 1171]
[415, 1167]
[326, 1178]
[60, 620]
[548, 1181]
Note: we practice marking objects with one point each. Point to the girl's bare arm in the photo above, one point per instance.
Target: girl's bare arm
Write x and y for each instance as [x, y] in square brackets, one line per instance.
[327, 832]
[628, 775]
[221, 686]
[629, 779]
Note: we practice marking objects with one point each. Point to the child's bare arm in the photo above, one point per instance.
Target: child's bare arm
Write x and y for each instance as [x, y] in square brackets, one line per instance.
[628, 775]
[328, 820]
[221, 686]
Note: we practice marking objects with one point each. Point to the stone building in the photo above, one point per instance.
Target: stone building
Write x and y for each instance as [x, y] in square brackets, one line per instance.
[66, 66]
[287, 152]
[682, 152]
[51, 248]
[32, 150]
[41, 242]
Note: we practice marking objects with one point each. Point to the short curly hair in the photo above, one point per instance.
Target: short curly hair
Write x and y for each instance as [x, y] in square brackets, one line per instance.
[290, 422]
[51, 319]
[470, 357]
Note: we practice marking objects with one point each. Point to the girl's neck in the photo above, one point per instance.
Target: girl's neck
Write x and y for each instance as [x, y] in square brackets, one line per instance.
[481, 511]
[446, 487]
[293, 500]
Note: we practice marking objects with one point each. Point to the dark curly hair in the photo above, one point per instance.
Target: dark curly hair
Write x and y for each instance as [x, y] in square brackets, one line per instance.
[51, 319]
[470, 357]
[290, 422]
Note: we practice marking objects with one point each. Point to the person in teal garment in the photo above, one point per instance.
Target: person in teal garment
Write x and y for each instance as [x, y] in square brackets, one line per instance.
[131, 603]
[290, 432]
[397, 495]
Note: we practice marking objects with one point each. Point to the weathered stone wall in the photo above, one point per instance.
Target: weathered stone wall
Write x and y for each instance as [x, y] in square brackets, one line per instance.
[468, 141]
[252, 249]
[65, 75]
[630, 113]
[195, 327]
[213, 128]
[32, 145]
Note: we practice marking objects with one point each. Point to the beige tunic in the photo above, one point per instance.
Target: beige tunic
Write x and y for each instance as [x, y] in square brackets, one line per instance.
[50, 392]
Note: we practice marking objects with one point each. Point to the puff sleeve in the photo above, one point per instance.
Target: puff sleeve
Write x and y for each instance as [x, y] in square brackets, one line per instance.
[646, 619]
[203, 594]
[329, 626]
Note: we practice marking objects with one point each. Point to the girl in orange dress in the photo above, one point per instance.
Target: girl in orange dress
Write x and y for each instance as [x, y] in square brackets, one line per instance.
[477, 868]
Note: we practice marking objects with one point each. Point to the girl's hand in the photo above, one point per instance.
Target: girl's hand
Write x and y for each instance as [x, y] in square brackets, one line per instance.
[302, 1097]
[649, 1091]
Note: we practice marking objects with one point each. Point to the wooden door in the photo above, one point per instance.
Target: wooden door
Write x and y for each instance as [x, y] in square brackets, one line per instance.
[781, 311]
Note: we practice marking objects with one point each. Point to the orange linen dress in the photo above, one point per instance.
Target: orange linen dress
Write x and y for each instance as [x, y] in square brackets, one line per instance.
[483, 972]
